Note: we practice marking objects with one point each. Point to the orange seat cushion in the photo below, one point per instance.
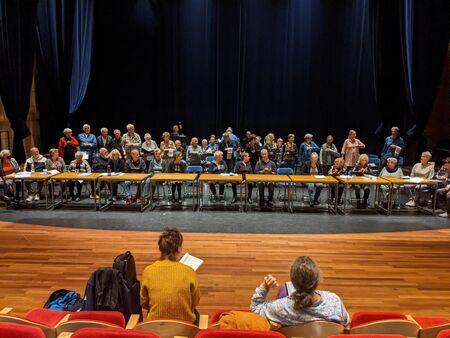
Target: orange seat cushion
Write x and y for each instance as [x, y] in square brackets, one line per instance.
[365, 317]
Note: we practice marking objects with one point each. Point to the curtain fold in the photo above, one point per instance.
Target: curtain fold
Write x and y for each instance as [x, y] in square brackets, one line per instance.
[17, 46]
[53, 66]
[82, 51]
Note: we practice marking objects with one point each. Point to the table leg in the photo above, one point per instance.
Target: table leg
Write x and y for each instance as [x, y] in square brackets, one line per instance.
[434, 199]
[345, 198]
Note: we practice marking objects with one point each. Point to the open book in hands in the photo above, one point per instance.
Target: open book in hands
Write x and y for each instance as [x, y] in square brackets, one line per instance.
[191, 261]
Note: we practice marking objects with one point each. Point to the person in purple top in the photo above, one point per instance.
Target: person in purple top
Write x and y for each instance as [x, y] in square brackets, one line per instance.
[265, 166]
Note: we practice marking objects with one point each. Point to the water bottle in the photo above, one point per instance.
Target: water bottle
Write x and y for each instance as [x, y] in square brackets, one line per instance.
[32, 167]
[109, 170]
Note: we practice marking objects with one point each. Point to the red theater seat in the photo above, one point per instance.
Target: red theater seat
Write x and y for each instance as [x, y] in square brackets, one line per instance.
[46, 317]
[112, 333]
[11, 330]
[431, 326]
[444, 334]
[217, 333]
[109, 317]
[367, 336]
[92, 319]
[365, 322]
[365, 317]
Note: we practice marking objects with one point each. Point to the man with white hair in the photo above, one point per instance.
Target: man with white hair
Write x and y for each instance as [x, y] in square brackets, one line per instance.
[394, 146]
[104, 140]
[131, 140]
[117, 142]
[36, 163]
[88, 142]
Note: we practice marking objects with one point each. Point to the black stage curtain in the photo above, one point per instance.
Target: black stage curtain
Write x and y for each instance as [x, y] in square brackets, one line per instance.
[315, 66]
[53, 66]
[17, 46]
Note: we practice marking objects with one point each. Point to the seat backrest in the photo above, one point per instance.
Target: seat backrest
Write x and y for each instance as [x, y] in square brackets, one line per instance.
[367, 336]
[92, 319]
[431, 326]
[167, 328]
[12, 330]
[209, 158]
[48, 332]
[365, 317]
[196, 169]
[285, 171]
[316, 329]
[112, 333]
[444, 334]
[231, 333]
[390, 326]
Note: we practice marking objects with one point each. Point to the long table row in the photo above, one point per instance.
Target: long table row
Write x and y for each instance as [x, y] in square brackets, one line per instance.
[288, 182]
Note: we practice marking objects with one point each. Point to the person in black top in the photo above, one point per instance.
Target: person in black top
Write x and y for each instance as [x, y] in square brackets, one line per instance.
[253, 150]
[313, 167]
[177, 166]
[246, 138]
[228, 148]
[360, 169]
[267, 167]
[117, 142]
[100, 165]
[243, 167]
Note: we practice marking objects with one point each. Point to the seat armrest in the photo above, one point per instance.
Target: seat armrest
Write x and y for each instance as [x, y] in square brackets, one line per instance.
[5, 310]
[203, 322]
[134, 319]
[65, 335]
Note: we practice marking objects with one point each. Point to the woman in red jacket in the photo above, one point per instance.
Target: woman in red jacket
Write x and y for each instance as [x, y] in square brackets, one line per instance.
[67, 146]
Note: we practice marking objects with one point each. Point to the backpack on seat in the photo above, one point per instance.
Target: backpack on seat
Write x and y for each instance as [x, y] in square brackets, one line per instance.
[64, 300]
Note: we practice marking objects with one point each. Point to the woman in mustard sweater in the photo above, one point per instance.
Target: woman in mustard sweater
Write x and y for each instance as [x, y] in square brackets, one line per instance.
[169, 288]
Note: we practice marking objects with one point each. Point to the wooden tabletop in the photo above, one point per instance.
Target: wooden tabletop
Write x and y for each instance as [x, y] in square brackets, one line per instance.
[313, 179]
[135, 177]
[407, 181]
[362, 180]
[267, 178]
[34, 176]
[220, 178]
[75, 176]
[163, 177]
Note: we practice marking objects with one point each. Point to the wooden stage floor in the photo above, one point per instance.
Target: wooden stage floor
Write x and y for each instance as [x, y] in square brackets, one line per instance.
[407, 271]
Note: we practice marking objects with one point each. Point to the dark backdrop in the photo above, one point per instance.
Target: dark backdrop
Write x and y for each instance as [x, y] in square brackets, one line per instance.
[285, 66]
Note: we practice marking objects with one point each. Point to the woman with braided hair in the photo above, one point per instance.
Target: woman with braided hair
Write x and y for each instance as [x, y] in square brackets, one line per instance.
[306, 304]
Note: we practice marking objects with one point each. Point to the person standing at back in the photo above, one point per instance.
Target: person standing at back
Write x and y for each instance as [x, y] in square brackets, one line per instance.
[170, 289]
[350, 150]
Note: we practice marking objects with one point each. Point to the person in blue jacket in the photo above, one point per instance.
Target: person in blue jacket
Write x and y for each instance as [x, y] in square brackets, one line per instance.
[394, 146]
[307, 148]
[88, 142]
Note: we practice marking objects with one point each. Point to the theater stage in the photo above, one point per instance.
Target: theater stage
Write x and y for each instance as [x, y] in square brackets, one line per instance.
[406, 271]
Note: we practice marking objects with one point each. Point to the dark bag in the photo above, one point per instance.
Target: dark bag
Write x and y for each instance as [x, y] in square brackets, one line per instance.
[126, 264]
[65, 300]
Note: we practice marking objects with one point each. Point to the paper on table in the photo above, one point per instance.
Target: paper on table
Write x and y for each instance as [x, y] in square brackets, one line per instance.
[53, 172]
[23, 174]
[191, 261]
[112, 174]
[371, 177]
[319, 176]
[417, 180]
[84, 174]
[344, 176]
